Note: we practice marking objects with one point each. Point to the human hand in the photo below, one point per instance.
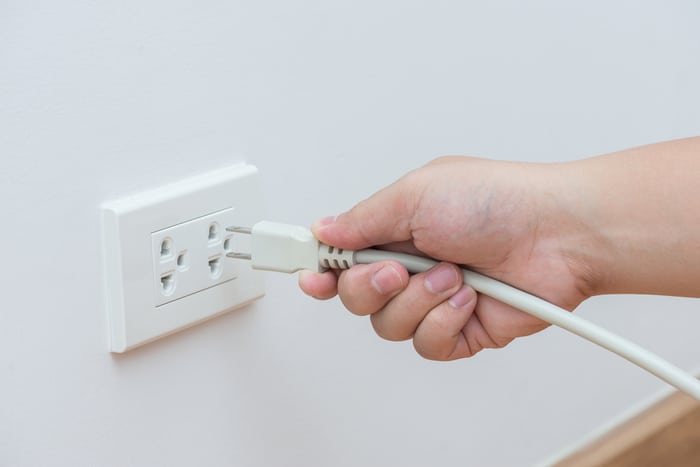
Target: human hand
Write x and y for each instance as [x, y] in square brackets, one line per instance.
[497, 218]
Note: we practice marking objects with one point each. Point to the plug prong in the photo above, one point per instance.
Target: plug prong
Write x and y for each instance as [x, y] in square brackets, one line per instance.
[238, 255]
[239, 229]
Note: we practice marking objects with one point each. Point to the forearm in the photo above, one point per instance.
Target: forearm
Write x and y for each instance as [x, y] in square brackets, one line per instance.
[641, 208]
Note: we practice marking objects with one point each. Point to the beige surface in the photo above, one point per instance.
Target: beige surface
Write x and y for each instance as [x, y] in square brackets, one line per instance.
[667, 434]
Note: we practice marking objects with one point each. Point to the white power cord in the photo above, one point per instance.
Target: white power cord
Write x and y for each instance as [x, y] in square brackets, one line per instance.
[290, 248]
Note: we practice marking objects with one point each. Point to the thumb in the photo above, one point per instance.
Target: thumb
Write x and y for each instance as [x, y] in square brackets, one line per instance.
[385, 217]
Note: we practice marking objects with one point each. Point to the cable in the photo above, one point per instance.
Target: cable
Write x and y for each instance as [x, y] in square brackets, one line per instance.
[289, 248]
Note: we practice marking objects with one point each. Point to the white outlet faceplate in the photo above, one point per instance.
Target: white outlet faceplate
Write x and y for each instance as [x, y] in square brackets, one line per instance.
[165, 255]
[191, 257]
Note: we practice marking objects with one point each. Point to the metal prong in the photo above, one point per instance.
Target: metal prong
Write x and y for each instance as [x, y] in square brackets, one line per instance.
[237, 255]
[239, 229]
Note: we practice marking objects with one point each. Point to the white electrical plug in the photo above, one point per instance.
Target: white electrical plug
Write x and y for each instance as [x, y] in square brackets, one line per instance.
[289, 248]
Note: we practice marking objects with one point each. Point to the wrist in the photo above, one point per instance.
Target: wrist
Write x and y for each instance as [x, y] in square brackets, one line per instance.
[632, 220]
[571, 223]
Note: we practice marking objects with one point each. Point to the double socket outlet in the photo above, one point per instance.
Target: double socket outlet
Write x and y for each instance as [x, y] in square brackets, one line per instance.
[165, 254]
[191, 257]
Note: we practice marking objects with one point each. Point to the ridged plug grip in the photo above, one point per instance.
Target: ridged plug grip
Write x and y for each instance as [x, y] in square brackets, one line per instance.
[335, 258]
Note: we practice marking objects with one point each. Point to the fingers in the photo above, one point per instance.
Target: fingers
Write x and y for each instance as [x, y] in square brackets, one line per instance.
[401, 316]
[399, 305]
[385, 217]
[440, 335]
[322, 286]
[366, 288]
[434, 308]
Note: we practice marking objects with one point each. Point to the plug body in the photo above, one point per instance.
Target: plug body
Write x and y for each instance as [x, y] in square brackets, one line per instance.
[283, 248]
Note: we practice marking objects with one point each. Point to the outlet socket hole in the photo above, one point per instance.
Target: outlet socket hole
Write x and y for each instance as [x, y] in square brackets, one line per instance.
[215, 267]
[167, 283]
[166, 247]
[182, 261]
[227, 245]
[213, 232]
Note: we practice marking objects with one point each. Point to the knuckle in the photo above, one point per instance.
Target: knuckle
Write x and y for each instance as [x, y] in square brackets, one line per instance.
[356, 305]
[433, 341]
[429, 352]
[443, 160]
[356, 293]
[388, 332]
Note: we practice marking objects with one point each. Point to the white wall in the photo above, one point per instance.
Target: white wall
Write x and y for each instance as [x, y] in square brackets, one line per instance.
[331, 100]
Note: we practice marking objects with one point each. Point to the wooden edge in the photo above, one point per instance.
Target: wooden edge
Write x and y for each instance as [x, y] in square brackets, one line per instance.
[632, 432]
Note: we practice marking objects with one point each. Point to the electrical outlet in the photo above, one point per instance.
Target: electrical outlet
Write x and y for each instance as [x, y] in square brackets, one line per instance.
[165, 255]
[191, 257]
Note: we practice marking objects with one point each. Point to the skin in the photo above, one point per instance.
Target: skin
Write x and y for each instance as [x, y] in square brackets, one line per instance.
[627, 222]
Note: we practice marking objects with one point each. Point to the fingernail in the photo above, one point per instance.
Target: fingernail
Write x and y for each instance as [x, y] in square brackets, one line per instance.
[440, 278]
[462, 297]
[324, 221]
[387, 280]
